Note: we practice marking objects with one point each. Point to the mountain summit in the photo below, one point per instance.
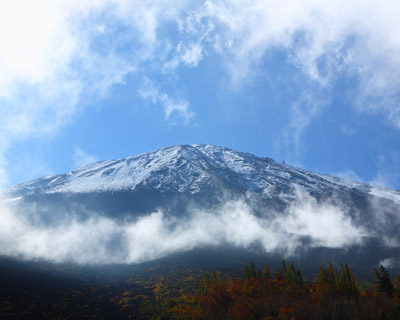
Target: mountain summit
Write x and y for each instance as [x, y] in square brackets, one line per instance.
[185, 197]
[192, 169]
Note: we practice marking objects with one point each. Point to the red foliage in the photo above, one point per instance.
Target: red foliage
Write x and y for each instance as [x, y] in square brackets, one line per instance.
[254, 298]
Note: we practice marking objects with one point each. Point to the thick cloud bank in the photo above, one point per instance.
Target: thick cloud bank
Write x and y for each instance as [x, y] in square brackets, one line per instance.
[100, 240]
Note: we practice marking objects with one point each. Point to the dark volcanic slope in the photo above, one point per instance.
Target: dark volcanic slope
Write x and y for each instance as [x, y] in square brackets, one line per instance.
[180, 178]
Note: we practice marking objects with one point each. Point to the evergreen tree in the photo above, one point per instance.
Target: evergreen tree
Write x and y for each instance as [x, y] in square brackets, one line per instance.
[336, 278]
[346, 282]
[246, 272]
[267, 274]
[322, 276]
[331, 273]
[278, 272]
[397, 283]
[283, 267]
[384, 283]
[328, 276]
[253, 270]
[299, 278]
[354, 289]
[290, 274]
[206, 279]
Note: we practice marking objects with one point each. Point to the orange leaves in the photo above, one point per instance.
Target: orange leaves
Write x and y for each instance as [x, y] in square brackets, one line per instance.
[254, 298]
[286, 312]
[333, 295]
[216, 302]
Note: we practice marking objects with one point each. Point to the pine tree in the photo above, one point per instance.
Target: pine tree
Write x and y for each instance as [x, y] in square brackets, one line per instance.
[336, 278]
[331, 274]
[278, 272]
[397, 283]
[299, 278]
[283, 265]
[346, 283]
[267, 274]
[290, 274]
[246, 272]
[206, 279]
[343, 284]
[384, 283]
[253, 270]
[322, 277]
[354, 289]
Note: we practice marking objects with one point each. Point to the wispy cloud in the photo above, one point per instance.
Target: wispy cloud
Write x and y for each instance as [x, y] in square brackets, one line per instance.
[325, 40]
[189, 56]
[81, 157]
[348, 175]
[302, 113]
[172, 107]
[387, 175]
[55, 56]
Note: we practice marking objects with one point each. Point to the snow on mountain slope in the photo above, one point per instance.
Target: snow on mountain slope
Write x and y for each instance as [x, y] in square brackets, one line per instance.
[191, 168]
[184, 197]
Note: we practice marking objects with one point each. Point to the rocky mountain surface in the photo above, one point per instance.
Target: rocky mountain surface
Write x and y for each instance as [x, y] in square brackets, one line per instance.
[178, 180]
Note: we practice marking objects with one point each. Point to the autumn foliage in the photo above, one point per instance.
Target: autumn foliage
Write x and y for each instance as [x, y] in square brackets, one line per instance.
[333, 294]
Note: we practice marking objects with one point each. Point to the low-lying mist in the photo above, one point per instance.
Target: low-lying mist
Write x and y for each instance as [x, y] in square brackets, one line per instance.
[306, 224]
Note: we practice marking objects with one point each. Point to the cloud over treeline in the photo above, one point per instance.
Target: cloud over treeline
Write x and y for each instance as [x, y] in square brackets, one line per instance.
[101, 240]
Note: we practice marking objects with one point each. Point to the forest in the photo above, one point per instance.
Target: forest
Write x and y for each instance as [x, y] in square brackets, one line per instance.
[179, 291]
[283, 294]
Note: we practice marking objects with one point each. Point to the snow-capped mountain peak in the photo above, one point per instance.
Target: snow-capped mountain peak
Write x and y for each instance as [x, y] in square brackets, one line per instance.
[191, 168]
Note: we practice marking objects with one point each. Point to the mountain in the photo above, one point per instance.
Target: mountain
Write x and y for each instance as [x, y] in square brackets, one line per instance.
[309, 215]
[193, 169]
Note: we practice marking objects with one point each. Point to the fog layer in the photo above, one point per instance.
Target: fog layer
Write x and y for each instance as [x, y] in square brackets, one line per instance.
[100, 240]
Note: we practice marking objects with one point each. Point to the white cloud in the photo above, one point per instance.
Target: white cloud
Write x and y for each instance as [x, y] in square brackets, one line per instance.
[348, 175]
[189, 55]
[57, 55]
[172, 107]
[389, 263]
[388, 170]
[179, 107]
[192, 55]
[302, 113]
[381, 180]
[326, 224]
[100, 239]
[324, 39]
[81, 157]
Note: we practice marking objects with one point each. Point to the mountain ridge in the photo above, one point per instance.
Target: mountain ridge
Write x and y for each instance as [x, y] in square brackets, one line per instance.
[191, 168]
[180, 198]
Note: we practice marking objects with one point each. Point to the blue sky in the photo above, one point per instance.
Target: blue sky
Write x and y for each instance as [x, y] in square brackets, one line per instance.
[311, 83]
